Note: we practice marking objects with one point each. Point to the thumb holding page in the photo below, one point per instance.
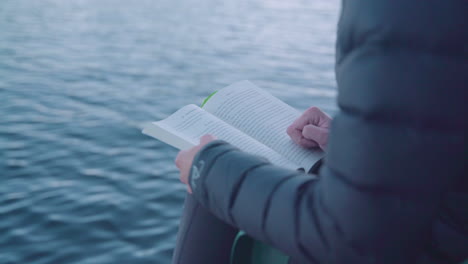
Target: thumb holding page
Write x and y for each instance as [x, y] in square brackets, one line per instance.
[316, 134]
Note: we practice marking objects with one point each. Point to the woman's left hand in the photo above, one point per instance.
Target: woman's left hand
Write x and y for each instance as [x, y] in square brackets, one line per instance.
[185, 157]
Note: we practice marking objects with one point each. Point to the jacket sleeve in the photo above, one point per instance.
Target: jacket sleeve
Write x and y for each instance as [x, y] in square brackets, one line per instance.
[396, 147]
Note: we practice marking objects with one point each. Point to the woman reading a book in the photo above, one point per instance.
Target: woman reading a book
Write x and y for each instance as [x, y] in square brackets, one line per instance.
[393, 187]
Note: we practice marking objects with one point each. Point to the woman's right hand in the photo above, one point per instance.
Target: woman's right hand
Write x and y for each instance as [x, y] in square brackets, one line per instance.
[311, 129]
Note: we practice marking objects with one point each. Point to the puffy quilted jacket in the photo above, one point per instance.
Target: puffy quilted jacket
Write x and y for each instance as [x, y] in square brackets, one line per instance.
[393, 187]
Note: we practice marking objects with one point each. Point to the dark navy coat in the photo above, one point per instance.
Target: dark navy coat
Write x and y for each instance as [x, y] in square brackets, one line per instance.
[393, 187]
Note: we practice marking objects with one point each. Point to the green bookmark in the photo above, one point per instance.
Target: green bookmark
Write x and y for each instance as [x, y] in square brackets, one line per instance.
[208, 98]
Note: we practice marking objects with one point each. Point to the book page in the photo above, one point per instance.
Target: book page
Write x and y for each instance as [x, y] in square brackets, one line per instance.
[263, 117]
[185, 127]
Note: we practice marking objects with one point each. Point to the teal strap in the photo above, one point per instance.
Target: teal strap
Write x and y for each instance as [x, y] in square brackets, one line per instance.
[246, 250]
[241, 249]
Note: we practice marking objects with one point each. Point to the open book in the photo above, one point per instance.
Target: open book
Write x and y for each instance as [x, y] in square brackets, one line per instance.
[245, 116]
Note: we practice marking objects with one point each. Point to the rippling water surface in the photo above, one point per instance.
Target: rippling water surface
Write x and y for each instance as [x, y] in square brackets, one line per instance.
[79, 183]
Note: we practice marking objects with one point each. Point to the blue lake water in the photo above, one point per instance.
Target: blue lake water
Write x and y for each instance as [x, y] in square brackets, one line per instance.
[79, 183]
